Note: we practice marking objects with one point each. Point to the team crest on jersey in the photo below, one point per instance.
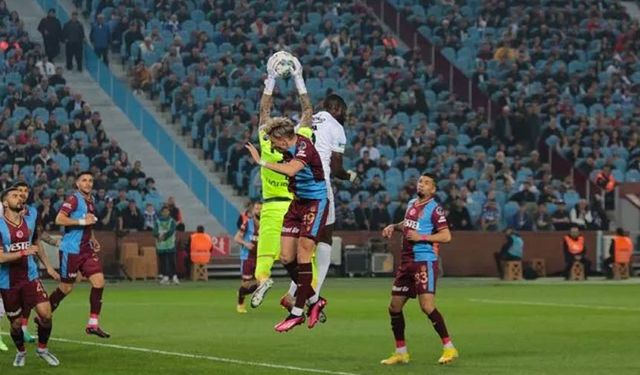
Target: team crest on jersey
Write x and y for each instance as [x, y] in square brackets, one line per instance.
[412, 211]
[439, 210]
[19, 234]
[303, 146]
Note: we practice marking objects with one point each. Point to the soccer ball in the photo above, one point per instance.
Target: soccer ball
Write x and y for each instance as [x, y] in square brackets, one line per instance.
[282, 63]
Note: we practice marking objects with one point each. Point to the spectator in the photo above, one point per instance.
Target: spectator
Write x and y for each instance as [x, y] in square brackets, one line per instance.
[380, 217]
[369, 147]
[130, 217]
[526, 195]
[57, 78]
[345, 217]
[101, 38]
[165, 233]
[521, 220]
[47, 214]
[542, 220]
[620, 251]
[51, 31]
[175, 213]
[109, 216]
[45, 67]
[150, 217]
[362, 215]
[490, 216]
[607, 183]
[73, 34]
[459, 218]
[142, 79]
[560, 218]
[575, 251]
[580, 215]
[511, 250]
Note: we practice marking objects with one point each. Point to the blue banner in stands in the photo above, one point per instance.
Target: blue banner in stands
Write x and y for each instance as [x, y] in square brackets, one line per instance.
[173, 153]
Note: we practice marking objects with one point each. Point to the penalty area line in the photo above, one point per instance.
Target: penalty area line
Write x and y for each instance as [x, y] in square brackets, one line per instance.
[553, 304]
[205, 357]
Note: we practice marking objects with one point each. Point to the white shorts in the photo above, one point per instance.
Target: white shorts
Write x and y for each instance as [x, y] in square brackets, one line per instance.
[331, 215]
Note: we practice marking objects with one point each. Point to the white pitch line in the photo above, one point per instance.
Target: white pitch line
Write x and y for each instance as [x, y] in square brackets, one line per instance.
[553, 304]
[205, 357]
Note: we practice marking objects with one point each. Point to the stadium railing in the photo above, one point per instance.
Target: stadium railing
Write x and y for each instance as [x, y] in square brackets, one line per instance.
[173, 153]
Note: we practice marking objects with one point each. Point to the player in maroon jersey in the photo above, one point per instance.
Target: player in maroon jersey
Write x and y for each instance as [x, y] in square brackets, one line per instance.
[20, 285]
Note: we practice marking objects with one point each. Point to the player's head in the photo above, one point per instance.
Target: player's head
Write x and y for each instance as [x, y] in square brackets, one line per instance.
[335, 105]
[24, 189]
[281, 131]
[12, 199]
[427, 185]
[574, 231]
[256, 208]
[200, 229]
[84, 182]
[620, 232]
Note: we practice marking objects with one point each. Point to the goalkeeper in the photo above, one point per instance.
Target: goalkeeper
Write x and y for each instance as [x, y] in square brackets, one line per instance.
[276, 196]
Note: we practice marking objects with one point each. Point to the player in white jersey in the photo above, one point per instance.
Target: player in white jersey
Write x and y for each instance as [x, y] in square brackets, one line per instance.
[329, 139]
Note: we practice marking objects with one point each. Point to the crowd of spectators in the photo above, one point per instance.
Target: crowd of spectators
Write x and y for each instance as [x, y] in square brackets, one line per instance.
[49, 133]
[555, 77]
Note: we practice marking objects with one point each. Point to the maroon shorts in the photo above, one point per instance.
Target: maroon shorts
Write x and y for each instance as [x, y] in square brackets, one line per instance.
[248, 267]
[24, 297]
[415, 278]
[305, 218]
[86, 263]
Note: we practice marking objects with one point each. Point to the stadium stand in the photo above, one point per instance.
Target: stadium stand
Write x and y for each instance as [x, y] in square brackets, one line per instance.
[49, 133]
[205, 65]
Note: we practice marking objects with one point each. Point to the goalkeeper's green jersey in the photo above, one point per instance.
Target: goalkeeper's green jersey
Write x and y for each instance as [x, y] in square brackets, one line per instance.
[274, 184]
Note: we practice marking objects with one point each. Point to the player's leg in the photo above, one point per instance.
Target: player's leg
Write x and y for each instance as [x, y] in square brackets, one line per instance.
[402, 290]
[91, 268]
[12, 299]
[248, 284]
[95, 300]
[322, 256]
[271, 219]
[68, 272]
[3, 346]
[28, 338]
[425, 277]
[36, 295]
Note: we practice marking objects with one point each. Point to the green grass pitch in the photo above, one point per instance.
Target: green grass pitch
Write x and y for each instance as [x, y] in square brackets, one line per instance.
[500, 328]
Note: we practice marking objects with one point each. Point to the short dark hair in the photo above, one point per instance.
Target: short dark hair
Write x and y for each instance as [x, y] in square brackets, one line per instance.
[620, 232]
[21, 184]
[200, 229]
[82, 173]
[7, 191]
[333, 102]
[431, 176]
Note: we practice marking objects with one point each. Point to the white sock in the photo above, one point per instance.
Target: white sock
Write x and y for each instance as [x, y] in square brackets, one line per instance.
[297, 311]
[323, 261]
[402, 350]
[292, 289]
[93, 321]
[449, 345]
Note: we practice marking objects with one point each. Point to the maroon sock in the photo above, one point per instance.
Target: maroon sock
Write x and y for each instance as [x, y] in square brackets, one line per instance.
[95, 299]
[55, 298]
[305, 290]
[397, 326]
[242, 292]
[292, 270]
[44, 331]
[438, 324]
[18, 339]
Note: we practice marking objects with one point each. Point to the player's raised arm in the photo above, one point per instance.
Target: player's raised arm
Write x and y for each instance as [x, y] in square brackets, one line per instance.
[266, 101]
[305, 100]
